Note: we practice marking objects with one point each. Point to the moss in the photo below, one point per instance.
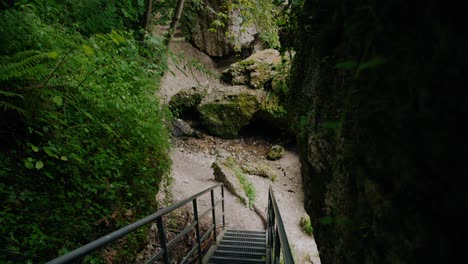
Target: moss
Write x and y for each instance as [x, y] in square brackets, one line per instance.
[225, 118]
[187, 99]
[371, 149]
[261, 169]
[276, 152]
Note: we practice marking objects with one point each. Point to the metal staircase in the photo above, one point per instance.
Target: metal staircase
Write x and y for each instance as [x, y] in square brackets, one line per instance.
[240, 246]
[229, 246]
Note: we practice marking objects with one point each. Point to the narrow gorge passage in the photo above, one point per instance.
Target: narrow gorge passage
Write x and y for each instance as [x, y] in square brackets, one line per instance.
[193, 158]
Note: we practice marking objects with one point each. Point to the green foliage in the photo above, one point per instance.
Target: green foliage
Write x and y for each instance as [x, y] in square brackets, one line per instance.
[248, 187]
[306, 225]
[85, 144]
[275, 102]
[263, 13]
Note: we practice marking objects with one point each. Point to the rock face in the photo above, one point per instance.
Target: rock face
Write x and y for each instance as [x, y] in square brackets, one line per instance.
[224, 40]
[254, 71]
[375, 138]
[227, 109]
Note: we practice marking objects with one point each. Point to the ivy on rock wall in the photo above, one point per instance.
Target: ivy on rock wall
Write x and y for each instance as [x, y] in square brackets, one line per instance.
[83, 146]
[378, 107]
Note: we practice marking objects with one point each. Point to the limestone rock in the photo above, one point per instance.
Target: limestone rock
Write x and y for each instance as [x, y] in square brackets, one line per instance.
[222, 153]
[254, 71]
[224, 40]
[224, 173]
[261, 169]
[181, 128]
[276, 152]
[227, 109]
[187, 99]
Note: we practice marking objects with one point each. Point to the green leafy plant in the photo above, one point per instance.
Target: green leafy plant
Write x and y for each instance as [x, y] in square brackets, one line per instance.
[83, 130]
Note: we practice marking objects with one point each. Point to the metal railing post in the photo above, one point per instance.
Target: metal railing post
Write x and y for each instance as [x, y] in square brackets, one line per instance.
[197, 230]
[163, 239]
[213, 213]
[222, 204]
[277, 239]
[277, 243]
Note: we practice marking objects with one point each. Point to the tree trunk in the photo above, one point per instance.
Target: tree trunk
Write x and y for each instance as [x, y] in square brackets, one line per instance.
[175, 21]
[149, 9]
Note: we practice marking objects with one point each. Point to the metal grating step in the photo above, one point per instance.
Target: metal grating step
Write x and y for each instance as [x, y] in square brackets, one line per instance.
[242, 243]
[241, 249]
[238, 254]
[245, 232]
[225, 260]
[244, 235]
[246, 239]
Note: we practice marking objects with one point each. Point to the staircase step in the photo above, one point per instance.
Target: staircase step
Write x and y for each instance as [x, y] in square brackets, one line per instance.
[245, 235]
[249, 239]
[230, 260]
[241, 249]
[242, 243]
[239, 254]
[245, 231]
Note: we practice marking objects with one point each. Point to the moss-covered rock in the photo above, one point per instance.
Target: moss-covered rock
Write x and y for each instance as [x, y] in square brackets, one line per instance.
[224, 172]
[276, 152]
[260, 169]
[254, 71]
[227, 109]
[187, 99]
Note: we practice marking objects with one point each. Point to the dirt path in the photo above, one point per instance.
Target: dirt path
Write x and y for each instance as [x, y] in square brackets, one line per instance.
[192, 160]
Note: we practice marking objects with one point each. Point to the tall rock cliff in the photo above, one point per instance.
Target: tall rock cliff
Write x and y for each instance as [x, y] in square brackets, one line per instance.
[219, 32]
[379, 102]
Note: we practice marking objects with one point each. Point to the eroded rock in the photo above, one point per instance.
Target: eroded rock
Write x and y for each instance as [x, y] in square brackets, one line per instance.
[224, 173]
[187, 99]
[254, 71]
[181, 128]
[227, 109]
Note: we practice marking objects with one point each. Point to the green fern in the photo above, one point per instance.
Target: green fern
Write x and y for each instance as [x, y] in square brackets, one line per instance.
[5, 105]
[26, 65]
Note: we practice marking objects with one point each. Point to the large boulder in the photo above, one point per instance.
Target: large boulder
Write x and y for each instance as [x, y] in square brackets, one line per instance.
[220, 40]
[227, 109]
[187, 99]
[254, 71]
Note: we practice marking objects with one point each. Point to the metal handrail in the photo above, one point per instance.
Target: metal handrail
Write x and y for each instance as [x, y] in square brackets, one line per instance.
[276, 234]
[165, 245]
